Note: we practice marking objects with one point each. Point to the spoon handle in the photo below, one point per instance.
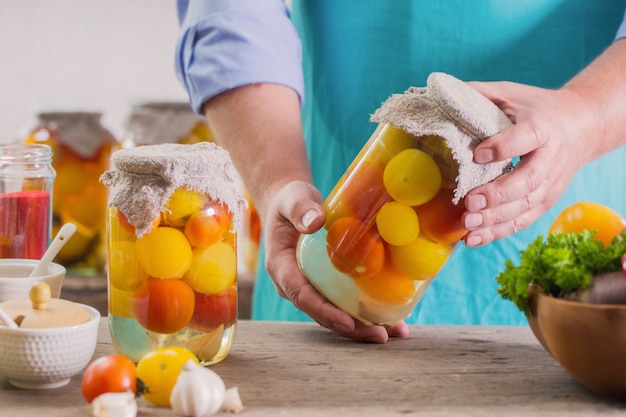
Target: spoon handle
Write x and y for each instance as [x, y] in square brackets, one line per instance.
[10, 323]
[66, 232]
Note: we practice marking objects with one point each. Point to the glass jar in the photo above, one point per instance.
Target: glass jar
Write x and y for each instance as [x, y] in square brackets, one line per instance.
[154, 123]
[81, 149]
[26, 179]
[394, 217]
[172, 253]
[391, 224]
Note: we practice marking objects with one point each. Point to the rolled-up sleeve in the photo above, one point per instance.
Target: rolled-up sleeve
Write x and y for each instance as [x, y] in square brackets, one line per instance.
[621, 32]
[225, 44]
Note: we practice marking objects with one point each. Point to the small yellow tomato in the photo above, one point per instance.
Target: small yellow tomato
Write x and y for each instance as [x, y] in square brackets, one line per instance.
[159, 370]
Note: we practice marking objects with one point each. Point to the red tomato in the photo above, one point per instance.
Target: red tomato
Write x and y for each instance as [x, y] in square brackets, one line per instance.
[624, 263]
[109, 373]
[163, 305]
[214, 309]
[587, 215]
[440, 219]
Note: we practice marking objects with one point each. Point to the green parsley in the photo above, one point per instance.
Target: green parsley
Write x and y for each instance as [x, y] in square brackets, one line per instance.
[565, 262]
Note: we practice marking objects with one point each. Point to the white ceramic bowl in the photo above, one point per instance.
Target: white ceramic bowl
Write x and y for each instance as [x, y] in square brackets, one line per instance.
[16, 283]
[47, 358]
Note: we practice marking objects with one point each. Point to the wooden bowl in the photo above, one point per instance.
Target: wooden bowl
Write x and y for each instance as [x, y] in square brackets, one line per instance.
[588, 340]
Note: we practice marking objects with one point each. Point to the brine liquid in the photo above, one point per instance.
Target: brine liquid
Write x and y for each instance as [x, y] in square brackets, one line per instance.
[371, 307]
[134, 341]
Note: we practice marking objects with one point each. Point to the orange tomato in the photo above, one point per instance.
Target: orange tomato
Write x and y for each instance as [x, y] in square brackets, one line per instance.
[208, 226]
[355, 248]
[389, 285]
[587, 215]
[164, 305]
[440, 219]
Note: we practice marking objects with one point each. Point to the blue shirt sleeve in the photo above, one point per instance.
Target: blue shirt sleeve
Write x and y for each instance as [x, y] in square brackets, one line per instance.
[225, 44]
[621, 32]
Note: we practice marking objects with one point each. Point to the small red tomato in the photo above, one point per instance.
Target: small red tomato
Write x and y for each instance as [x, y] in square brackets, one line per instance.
[109, 373]
[214, 309]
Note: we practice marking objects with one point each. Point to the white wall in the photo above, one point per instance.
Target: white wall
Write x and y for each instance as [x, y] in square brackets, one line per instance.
[91, 55]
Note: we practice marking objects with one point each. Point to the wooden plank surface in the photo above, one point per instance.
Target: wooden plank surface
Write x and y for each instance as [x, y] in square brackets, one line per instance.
[301, 370]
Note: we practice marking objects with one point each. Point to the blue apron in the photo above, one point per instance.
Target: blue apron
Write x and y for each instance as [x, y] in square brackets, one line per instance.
[358, 52]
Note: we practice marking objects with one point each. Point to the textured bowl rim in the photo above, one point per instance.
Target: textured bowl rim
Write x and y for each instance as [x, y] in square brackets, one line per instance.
[53, 270]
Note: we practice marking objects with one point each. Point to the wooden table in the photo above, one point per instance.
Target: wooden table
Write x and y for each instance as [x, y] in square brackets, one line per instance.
[301, 370]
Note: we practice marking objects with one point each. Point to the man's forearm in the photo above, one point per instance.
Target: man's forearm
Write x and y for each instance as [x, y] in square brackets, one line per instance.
[260, 126]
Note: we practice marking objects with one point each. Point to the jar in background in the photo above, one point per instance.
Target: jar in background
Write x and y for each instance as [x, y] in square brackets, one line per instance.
[172, 253]
[154, 123]
[81, 149]
[26, 179]
[394, 217]
[251, 238]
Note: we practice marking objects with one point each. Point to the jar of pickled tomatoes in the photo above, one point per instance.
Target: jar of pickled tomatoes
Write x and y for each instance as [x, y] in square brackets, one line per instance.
[81, 148]
[394, 217]
[154, 123]
[173, 213]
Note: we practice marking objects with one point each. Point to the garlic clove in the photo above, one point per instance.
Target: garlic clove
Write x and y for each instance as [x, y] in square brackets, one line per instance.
[198, 392]
[114, 404]
[232, 401]
[208, 345]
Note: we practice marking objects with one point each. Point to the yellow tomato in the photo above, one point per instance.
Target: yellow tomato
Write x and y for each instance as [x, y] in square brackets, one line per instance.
[159, 369]
[420, 259]
[181, 205]
[125, 272]
[164, 253]
[213, 269]
[412, 177]
[397, 223]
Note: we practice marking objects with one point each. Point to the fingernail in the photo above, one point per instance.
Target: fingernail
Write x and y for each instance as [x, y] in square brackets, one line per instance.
[473, 241]
[308, 218]
[482, 156]
[473, 220]
[476, 202]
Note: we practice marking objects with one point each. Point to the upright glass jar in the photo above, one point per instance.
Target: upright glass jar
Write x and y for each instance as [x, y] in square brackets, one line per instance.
[394, 217]
[81, 148]
[172, 255]
[154, 123]
[26, 179]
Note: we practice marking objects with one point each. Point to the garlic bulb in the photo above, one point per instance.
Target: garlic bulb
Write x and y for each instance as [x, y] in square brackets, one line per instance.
[198, 392]
[114, 404]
